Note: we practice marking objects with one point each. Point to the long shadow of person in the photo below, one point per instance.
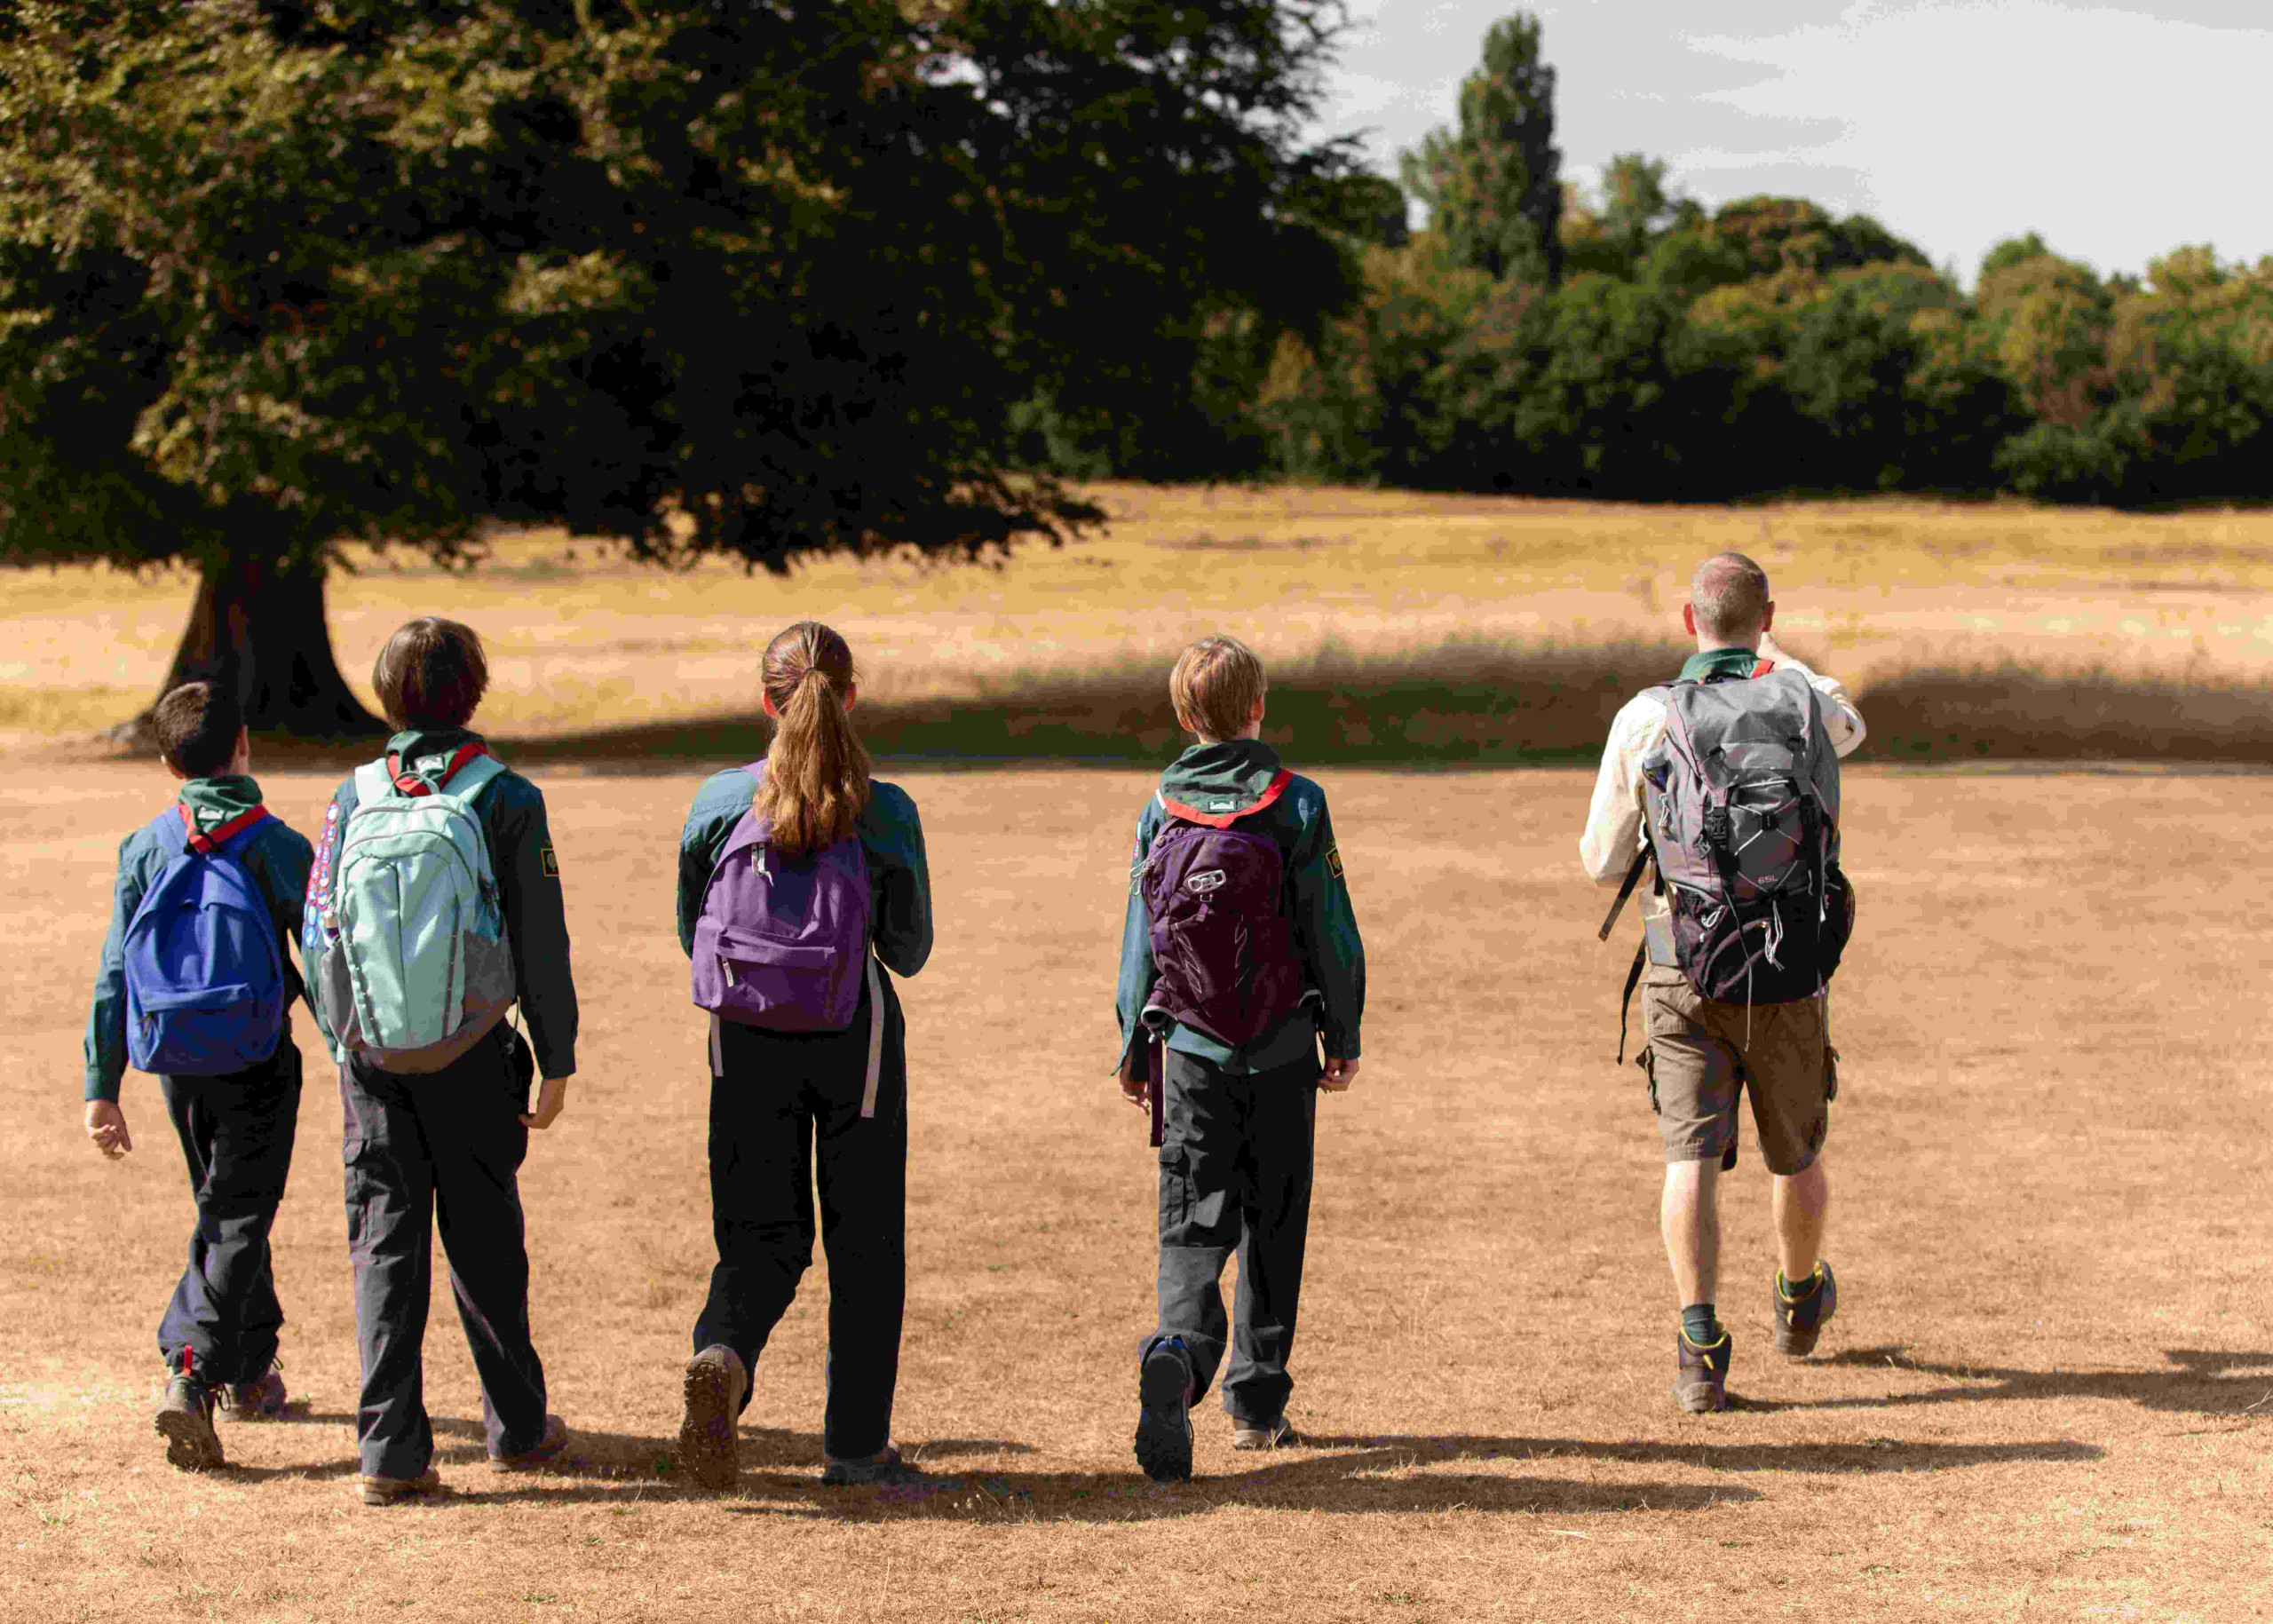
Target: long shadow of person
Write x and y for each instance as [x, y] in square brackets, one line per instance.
[2197, 1382]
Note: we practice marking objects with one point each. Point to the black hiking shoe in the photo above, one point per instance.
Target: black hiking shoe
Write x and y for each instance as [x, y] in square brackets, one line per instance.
[184, 1420]
[1700, 1382]
[1164, 1412]
[883, 1471]
[1800, 1319]
[716, 1381]
[262, 1399]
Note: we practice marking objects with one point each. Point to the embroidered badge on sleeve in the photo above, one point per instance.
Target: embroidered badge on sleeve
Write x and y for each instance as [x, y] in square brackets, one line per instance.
[551, 861]
[1333, 862]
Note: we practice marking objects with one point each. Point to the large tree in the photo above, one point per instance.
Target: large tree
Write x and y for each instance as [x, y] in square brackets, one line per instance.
[1493, 185]
[748, 277]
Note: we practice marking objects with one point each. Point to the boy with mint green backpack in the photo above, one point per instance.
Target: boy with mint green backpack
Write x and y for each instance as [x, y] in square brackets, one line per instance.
[434, 907]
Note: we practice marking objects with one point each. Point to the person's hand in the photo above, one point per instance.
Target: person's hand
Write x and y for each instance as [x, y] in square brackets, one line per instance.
[1134, 1088]
[552, 1099]
[107, 1126]
[1340, 1074]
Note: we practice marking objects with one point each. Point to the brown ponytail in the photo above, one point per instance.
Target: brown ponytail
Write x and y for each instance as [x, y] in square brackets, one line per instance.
[816, 782]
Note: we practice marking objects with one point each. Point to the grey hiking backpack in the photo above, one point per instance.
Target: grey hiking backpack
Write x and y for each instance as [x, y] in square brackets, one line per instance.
[1742, 802]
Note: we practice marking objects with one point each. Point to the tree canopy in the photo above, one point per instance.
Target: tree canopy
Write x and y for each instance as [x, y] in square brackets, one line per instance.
[753, 278]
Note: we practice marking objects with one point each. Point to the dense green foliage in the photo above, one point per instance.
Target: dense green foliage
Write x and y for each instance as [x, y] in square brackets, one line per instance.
[756, 278]
[1663, 349]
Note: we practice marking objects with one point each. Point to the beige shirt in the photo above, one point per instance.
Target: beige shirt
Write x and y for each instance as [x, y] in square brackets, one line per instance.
[1615, 826]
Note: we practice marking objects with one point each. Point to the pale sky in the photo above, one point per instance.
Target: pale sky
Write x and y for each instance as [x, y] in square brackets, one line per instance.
[2117, 131]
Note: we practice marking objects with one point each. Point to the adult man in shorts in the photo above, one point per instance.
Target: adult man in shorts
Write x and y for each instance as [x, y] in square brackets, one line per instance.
[1700, 1054]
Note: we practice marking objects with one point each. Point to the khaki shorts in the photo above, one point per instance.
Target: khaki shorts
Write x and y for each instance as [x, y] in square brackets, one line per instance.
[1699, 1056]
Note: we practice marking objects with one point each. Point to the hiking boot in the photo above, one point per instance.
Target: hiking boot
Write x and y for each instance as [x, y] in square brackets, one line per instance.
[262, 1399]
[377, 1491]
[1700, 1382]
[555, 1440]
[715, 1385]
[185, 1418]
[1277, 1434]
[1164, 1412]
[884, 1470]
[1800, 1319]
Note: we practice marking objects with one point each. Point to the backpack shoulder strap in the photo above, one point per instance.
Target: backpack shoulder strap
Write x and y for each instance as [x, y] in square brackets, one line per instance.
[467, 778]
[171, 830]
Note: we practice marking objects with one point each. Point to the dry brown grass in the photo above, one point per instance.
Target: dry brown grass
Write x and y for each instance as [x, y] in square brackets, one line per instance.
[2045, 1395]
[1397, 584]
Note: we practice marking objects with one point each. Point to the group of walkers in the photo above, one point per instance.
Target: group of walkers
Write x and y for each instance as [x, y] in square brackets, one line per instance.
[429, 907]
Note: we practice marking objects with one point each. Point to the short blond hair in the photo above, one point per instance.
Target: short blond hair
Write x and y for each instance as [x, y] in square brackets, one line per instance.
[1216, 685]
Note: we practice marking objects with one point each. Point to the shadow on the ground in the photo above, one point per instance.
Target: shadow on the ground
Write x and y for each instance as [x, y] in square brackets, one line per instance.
[780, 1475]
[2198, 1384]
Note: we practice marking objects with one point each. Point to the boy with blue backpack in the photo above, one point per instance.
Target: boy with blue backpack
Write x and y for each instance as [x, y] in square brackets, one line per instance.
[1240, 953]
[797, 875]
[434, 907]
[195, 987]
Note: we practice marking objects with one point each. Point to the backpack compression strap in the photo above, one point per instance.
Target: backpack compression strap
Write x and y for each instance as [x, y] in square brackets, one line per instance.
[1224, 821]
[206, 845]
[410, 783]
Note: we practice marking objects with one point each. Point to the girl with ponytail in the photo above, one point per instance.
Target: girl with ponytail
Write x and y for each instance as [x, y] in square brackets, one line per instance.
[801, 880]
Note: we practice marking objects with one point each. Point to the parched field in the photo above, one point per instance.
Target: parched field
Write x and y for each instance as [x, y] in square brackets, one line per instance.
[2046, 1393]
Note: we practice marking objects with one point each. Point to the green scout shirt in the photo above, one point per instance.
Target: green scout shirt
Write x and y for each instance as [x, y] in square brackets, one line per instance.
[277, 858]
[1231, 777]
[514, 826]
[891, 835]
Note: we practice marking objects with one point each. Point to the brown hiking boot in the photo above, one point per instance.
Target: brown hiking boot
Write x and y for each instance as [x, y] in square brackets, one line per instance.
[184, 1420]
[537, 1454]
[715, 1383]
[1700, 1382]
[379, 1490]
[1279, 1434]
[262, 1399]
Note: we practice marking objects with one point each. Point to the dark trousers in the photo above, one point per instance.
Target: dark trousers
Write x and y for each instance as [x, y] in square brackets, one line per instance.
[445, 1145]
[1235, 1174]
[785, 1118]
[236, 1134]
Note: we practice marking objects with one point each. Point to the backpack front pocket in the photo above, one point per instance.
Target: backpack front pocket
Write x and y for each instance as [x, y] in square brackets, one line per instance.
[766, 981]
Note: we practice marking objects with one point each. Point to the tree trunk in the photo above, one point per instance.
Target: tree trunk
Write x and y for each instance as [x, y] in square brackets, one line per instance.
[260, 629]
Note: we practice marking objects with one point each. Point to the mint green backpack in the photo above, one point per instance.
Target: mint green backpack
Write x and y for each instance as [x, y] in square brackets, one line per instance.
[412, 966]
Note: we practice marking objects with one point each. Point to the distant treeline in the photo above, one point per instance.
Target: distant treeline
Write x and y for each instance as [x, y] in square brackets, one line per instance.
[1630, 343]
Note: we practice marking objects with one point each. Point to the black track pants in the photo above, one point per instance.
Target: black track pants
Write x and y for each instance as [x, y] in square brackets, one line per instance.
[236, 1135]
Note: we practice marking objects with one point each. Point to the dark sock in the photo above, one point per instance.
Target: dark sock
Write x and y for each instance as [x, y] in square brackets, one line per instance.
[1700, 1325]
[1802, 1292]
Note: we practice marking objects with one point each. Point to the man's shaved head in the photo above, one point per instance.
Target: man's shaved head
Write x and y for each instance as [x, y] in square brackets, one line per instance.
[1730, 595]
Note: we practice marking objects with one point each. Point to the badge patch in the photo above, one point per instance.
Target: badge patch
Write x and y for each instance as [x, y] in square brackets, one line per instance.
[1223, 806]
[1205, 881]
[551, 863]
[1333, 862]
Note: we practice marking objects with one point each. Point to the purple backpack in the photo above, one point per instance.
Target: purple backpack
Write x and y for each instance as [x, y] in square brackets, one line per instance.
[782, 941]
[1224, 949]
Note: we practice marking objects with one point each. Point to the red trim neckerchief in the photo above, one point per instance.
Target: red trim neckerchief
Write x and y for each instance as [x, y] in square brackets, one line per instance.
[410, 783]
[205, 845]
[1224, 821]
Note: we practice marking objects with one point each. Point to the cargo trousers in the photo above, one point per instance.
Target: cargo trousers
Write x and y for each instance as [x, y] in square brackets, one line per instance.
[445, 1146]
[1235, 1159]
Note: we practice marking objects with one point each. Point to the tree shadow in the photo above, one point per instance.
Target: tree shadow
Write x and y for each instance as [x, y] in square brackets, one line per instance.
[2199, 1385]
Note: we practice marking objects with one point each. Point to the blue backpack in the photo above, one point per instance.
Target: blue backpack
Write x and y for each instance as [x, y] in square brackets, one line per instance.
[205, 988]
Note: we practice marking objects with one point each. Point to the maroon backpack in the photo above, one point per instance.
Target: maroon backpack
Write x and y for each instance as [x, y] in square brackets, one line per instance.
[1215, 898]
